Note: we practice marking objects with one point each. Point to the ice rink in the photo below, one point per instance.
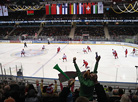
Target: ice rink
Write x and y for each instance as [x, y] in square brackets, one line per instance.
[39, 63]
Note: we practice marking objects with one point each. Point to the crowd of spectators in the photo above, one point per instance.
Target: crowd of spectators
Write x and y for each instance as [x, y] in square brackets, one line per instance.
[92, 31]
[55, 31]
[25, 30]
[122, 32]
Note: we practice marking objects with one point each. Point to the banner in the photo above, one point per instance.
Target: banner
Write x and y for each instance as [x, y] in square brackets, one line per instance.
[48, 9]
[5, 10]
[100, 7]
[1, 13]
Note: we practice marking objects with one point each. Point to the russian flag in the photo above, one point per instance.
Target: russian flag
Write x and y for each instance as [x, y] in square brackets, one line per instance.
[81, 8]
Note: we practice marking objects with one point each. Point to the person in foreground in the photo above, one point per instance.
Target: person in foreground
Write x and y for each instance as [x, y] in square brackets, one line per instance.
[88, 81]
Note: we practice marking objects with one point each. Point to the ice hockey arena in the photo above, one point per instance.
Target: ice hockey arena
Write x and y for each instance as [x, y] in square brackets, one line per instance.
[40, 39]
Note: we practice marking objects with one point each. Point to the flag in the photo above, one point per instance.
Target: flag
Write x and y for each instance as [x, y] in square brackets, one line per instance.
[59, 9]
[53, 9]
[88, 8]
[100, 7]
[71, 9]
[63, 9]
[84, 6]
[30, 12]
[66, 8]
[5, 10]
[75, 8]
[1, 13]
[81, 8]
[95, 8]
[48, 9]
[70, 74]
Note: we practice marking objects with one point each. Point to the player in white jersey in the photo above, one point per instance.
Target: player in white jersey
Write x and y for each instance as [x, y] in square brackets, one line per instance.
[43, 48]
[22, 52]
[64, 57]
[113, 51]
[84, 50]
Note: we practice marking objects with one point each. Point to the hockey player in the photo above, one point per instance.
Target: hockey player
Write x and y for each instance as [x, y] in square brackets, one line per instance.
[113, 51]
[84, 50]
[58, 49]
[116, 56]
[134, 50]
[126, 53]
[43, 48]
[89, 49]
[64, 57]
[85, 63]
[25, 45]
[96, 54]
[22, 52]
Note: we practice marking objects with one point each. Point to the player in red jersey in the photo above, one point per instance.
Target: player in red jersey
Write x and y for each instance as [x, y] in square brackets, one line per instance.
[64, 57]
[22, 52]
[134, 50]
[89, 49]
[84, 50]
[85, 63]
[126, 53]
[43, 48]
[116, 56]
[58, 49]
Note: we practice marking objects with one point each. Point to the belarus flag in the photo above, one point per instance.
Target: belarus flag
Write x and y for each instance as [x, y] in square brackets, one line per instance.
[59, 9]
[48, 9]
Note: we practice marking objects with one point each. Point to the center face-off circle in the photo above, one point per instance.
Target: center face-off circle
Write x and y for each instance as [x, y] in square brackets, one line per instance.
[30, 53]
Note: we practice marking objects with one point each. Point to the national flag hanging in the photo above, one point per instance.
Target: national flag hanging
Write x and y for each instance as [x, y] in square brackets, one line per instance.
[59, 9]
[74, 8]
[66, 8]
[95, 8]
[88, 8]
[1, 13]
[77, 8]
[81, 8]
[71, 8]
[100, 7]
[53, 9]
[30, 12]
[63, 9]
[5, 10]
[84, 8]
[48, 9]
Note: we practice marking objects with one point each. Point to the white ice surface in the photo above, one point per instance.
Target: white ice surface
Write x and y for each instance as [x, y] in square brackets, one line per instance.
[110, 69]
